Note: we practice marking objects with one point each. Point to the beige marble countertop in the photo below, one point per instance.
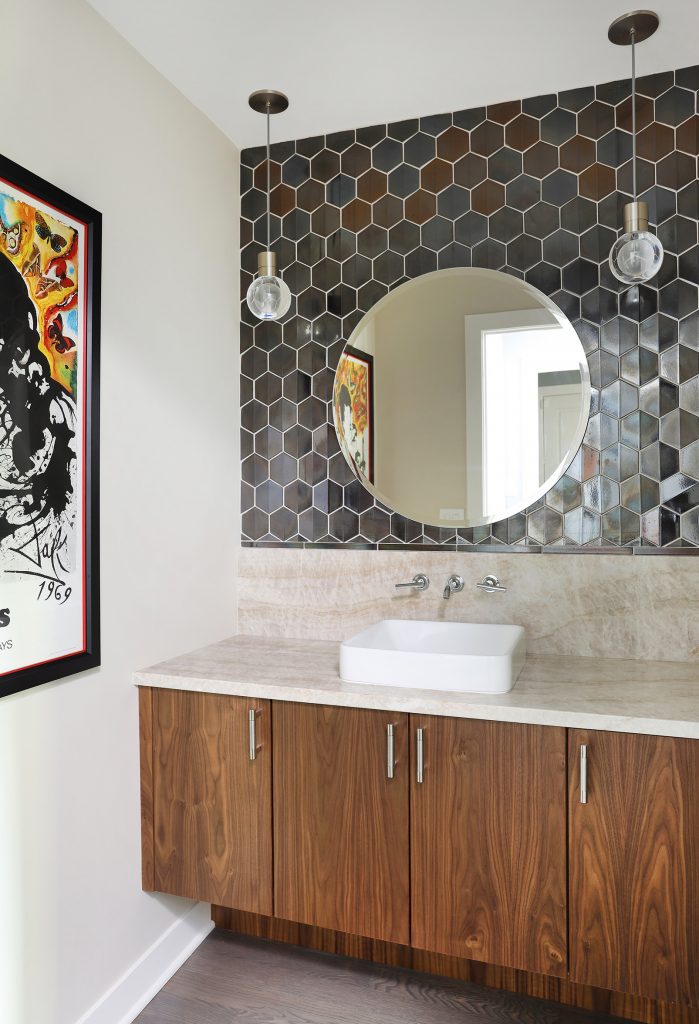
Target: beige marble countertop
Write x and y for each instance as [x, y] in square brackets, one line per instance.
[656, 698]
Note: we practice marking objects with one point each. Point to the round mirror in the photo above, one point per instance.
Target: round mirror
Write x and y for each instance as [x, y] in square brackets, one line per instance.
[461, 397]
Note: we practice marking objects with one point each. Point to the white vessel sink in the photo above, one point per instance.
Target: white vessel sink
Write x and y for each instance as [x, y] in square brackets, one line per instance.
[435, 656]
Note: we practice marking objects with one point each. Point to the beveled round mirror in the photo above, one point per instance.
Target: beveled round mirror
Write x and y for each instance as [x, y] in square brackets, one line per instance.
[461, 397]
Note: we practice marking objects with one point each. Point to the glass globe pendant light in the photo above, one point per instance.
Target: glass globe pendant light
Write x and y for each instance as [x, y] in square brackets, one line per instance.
[268, 296]
[637, 255]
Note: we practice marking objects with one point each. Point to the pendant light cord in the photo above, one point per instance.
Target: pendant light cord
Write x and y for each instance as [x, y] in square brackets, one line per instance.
[633, 110]
[268, 200]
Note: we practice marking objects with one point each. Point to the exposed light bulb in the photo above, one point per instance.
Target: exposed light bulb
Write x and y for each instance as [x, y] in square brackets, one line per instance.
[637, 255]
[268, 296]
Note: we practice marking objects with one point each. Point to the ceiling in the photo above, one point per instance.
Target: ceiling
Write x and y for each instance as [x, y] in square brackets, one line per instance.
[362, 62]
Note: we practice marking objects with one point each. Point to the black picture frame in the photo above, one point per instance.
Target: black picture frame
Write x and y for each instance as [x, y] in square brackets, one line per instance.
[14, 174]
[368, 360]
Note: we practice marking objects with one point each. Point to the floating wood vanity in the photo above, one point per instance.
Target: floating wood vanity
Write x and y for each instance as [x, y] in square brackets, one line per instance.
[545, 840]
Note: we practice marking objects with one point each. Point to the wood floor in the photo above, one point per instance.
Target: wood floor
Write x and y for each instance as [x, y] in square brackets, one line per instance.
[236, 978]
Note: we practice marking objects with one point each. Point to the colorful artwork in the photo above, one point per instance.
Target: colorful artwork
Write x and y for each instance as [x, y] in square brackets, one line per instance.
[353, 404]
[48, 311]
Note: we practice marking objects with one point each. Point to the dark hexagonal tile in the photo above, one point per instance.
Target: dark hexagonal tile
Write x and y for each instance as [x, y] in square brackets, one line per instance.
[326, 330]
[296, 386]
[619, 335]
[540, 160]
[577, 154]
[580, 276]
[372, 185]
[310, 249]
[639, 493]
[297, 441]
[596, 120]
[470, 170]
[658, 333]
[419, 149]
[558, 126]
[489, 254]
[487, 138]
[342, 300]
[356, 215]
[468, 119]
[282, 414]
[387, 154]
[678, 299]
[297, 331]
[599, 305]
[674, 106]
[676, 170]
[340, 141]
[340, 190]
[659, 397]
[689, 265]
[389, 267]
[369, 294]
[420, 261]
[614, 148]
[504, 165]
[471, 229]
[344, 525]
[679, 428]
[420, 206]
[296, 170]
[437, 233]
[268, 496]
[604, 368]
[522, 132]
[659, 461]
[253, 363]
[355, 160]
[687, 136]
[297, 276]
[639, 429]
[541, 220]
[254, 470]
[524, 252]
[559, 187]
[638, 302]
[255, 524]
[356, 271]
[453, 202]
[454, 255]
[311, 359]
[506, 224]
[502, 113]
[639, 366]
[325, 220]
[560, 248]
[404, 237]
[325, 165]
[545, 277]
[539, 106]
[597, 181]
[313, 524]
[341, 245]
[357, 498]
[298, 496]
[283, 469]
[436, 175]
[655, 142]
[375, 525]
[372, 241]
[688, 200]
[596, 243]
[618, 462]
[487, 197]
[311, 303]
[453, 144]
[268, 388]
[523, 192]
[578, 215]
[403, 180]
[645, 113]
[388, 211]
[312, 413]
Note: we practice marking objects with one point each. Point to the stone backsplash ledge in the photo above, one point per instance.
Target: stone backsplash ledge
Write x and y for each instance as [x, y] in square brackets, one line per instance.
[591, 606]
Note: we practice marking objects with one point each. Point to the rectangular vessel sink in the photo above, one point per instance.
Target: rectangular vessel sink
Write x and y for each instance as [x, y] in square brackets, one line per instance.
[435, 656]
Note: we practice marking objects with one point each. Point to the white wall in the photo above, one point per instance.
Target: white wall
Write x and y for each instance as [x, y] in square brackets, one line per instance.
[82, 109]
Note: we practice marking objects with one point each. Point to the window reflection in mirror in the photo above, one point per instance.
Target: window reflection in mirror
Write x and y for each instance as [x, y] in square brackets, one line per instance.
[461, 397]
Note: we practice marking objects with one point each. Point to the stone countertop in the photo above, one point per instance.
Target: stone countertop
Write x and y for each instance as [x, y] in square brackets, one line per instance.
[655, 698]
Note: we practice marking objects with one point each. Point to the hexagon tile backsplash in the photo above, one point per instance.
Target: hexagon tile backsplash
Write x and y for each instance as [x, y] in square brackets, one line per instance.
[534, 188]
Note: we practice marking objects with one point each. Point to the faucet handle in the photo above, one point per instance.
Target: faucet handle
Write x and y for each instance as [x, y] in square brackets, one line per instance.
[491, 585]
[418, 582]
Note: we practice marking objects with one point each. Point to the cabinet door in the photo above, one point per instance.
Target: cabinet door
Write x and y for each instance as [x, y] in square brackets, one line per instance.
[488, 835]
[634, 865]
[340, 823]
[212, 802]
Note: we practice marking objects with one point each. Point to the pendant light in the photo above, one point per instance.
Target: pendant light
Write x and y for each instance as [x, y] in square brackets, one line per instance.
[637, 255]
[268, 296]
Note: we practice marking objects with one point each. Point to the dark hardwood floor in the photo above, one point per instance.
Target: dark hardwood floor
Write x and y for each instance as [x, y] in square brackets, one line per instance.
[236, 978]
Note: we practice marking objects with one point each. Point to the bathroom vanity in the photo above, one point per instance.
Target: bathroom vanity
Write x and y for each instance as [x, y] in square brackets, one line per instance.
[544, 840]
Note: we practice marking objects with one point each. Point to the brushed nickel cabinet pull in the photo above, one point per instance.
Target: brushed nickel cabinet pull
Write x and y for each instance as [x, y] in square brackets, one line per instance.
[420, 755]
[252, 736]
[583, 773]
[390, 763]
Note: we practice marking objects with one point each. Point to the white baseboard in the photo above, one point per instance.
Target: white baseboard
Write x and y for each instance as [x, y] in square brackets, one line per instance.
[123, 1002]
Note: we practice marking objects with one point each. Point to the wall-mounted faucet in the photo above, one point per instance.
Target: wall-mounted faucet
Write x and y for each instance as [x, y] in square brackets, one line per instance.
[491, 585]
[419, 582]
[454, 585]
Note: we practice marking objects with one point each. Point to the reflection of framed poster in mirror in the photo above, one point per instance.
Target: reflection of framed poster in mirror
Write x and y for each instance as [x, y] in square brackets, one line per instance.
[49, 404]
[353, 401]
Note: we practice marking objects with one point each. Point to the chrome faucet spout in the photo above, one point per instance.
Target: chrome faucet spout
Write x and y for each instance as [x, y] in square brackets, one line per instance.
[454, 585]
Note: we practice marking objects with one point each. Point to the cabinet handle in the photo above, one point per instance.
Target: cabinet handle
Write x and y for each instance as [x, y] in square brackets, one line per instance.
[420, 755]
[252, 735]
[390, 762]
[583, 773]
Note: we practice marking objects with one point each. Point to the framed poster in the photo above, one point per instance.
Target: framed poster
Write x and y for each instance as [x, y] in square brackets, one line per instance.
[49, 377]
[353, 402]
